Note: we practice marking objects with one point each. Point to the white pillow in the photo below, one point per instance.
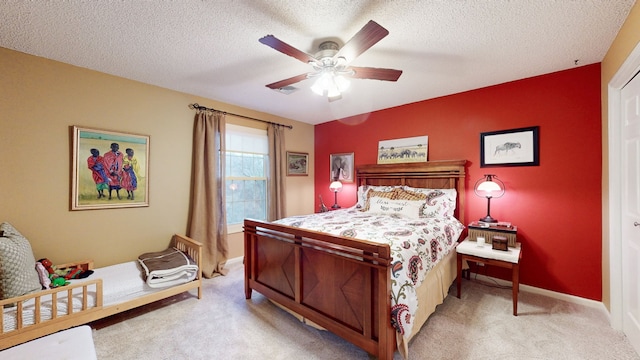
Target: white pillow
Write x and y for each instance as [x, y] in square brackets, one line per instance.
[407, 208]
[440, 202]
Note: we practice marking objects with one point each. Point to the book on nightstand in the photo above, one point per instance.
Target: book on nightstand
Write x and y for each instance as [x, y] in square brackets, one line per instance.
[489, 230]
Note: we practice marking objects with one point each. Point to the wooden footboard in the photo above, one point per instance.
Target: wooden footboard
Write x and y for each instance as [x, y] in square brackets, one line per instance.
[90, 311]
[339, 283]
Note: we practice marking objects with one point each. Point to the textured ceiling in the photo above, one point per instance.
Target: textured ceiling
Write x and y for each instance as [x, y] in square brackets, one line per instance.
[211, 48]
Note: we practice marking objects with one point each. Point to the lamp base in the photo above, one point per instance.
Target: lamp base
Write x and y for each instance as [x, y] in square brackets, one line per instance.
[488, 219]
[335, 200]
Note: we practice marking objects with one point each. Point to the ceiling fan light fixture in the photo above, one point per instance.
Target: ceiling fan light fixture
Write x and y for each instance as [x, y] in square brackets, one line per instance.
[330, 85]
[319, 86]
[341, 82]
[331, 63]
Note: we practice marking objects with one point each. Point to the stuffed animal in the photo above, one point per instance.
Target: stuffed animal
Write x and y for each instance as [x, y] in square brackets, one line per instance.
[43, 275]
[59, 277]
[55, 280]
[58, 281]
[48, 265]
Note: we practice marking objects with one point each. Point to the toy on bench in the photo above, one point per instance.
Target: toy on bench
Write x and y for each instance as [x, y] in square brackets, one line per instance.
[52, 276]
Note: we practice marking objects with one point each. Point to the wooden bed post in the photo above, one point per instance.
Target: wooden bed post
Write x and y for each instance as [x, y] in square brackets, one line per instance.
[249, 232]
[386, 332]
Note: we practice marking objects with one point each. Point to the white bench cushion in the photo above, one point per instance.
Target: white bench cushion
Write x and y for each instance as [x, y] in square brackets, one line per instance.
[71, 344]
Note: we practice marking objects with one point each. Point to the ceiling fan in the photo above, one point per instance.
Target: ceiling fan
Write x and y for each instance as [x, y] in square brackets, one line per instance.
[331, 64]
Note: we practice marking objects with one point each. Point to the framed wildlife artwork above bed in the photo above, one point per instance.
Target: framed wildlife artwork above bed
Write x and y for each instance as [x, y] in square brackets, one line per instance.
[406, 150]
[514, 147]
[109, 169]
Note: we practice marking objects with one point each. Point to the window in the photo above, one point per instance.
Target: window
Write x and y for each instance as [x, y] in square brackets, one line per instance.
[246, 156]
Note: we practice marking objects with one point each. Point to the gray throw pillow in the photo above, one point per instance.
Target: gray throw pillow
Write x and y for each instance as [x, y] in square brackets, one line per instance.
[18, 275]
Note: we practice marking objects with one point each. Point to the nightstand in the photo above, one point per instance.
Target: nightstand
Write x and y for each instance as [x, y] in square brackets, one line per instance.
[510, 259]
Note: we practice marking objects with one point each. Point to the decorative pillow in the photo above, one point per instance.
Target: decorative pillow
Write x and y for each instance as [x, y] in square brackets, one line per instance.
[439, 202]
[18, 275]
[402, 194]
[363, 189]
[383, 194]
[407, 208]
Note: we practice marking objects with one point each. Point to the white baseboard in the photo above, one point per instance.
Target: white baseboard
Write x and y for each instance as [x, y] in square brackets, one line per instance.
[235, 260]
[598, 305]
[552, 294]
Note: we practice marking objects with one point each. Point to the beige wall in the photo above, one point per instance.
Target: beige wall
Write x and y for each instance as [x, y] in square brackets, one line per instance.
[625, 42]
[41, 99]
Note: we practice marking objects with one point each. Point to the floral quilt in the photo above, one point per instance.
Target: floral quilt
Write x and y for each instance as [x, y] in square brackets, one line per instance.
[416, 246]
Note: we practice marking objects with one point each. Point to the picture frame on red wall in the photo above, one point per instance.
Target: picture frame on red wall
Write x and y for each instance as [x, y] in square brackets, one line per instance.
[513, 147]
[342, 168]
[406, 150]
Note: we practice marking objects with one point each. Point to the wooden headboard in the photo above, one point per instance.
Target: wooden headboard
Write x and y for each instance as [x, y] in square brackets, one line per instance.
[444, 174]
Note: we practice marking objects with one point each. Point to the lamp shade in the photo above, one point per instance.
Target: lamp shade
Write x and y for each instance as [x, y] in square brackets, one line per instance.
[335, 186]
[489, 187]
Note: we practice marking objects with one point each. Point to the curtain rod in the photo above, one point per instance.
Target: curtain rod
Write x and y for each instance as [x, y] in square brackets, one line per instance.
[200, 107]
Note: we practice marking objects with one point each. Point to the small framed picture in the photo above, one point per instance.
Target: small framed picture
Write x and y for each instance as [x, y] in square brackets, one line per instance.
[342, 167]
[297, 164]
[515, 147]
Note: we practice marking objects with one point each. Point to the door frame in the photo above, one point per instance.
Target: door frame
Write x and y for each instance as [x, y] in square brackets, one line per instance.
[625, 73]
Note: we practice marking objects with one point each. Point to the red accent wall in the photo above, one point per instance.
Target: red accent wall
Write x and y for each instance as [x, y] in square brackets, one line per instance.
[556, 205]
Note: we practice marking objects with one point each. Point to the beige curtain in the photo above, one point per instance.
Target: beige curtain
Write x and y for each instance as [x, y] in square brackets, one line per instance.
[208, 223]
[277, 172]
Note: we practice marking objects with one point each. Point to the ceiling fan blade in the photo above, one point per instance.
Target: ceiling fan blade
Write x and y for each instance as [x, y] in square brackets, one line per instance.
[375, 73]
[370, 34]
[282, 83]
[286, 49]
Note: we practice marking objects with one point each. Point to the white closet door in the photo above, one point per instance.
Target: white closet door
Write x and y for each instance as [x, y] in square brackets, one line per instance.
[631, 210]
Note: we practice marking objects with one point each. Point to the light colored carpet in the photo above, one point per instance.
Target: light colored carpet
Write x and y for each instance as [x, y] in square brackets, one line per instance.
[223, 325]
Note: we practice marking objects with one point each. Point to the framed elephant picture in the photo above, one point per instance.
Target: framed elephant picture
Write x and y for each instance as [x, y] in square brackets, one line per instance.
[405, 150]
[342, 168]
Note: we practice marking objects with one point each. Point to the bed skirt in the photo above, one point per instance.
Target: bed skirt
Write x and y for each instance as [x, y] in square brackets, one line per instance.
[431, 292]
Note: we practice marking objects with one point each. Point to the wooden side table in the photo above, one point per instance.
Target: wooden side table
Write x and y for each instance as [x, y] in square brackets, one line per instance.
[510, 259]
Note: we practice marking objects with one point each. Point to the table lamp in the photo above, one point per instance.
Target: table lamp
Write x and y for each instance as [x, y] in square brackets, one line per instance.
[336, 187]
[490, 187]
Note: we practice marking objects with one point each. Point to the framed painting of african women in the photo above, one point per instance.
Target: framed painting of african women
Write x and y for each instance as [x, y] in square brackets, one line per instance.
[515, 147]
[109, 169]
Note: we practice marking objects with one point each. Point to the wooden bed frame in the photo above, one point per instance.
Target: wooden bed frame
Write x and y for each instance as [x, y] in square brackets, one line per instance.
[90, 311]
[341, 284]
